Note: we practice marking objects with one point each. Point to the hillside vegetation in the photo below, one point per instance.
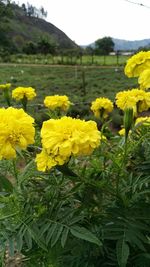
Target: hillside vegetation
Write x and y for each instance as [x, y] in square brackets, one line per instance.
[22, 29]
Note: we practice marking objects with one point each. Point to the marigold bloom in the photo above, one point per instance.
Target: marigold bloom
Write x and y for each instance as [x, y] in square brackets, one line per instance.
[101, 107]
[5, 86]
[20, 93]
[65, 137]
[137, 99]
[16, 131]
[143, 120]
[57, 101]
[137, 64]
[144, 79]
[122, 132]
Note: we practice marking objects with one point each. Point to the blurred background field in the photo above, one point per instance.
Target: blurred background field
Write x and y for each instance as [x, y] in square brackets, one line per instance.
[80, 83]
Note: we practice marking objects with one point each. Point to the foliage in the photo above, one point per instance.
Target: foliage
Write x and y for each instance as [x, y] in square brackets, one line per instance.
[104, 46]
[90, 210]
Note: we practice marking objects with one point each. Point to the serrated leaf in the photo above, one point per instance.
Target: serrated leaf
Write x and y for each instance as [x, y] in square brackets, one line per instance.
[19, 242]
[76, 219]
[85, 234]
[11, 246]
[66, 171]
[64, 236]
[56, 234]
[122, 250]
[44, 228]
[28, 239]
[50, 232]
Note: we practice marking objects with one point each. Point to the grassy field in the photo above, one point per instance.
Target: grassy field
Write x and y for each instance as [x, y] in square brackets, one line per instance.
[81, 84]
[112, 60]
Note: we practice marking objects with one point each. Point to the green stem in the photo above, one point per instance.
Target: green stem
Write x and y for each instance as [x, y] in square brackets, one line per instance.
[15, 170]
[24, 103]
[7, 97]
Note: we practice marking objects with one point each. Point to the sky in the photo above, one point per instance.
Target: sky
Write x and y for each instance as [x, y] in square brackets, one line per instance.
[85, 21]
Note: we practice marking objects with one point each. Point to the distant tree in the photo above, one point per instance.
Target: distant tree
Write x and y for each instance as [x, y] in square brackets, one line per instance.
[46, 46]
[30, 48]
[104, 46]
[43, 12]
[32, 11]
[24, 8]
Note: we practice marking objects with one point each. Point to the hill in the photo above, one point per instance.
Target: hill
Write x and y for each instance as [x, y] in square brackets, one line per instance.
[125, 45]
[130, 45]
[22, 29]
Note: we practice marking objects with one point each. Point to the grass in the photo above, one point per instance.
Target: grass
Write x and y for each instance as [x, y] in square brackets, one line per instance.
[81, 84]
[112, 60]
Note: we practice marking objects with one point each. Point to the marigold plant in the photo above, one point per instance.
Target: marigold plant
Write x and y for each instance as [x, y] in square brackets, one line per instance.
[137, 99]
[57, 101]
[65, 137]
[137, 64]
[144, 79]
[20, 93]
[101, 107]
[143, 120]
[5, 86]
[16, 131]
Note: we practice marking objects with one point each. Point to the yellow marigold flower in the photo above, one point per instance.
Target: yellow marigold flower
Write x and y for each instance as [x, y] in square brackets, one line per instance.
[16, 131]
[101, 107]
[20, 93]
[5, 86]
[122, 132]
[57, 101]
[137, 64]
[126, 100]
[143, 120]
[62, 138]
[144, 79]
[137, 99]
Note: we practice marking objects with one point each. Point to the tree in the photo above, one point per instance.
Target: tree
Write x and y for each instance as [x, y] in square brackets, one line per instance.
[46, 46]
[104, 46]
[43, 12]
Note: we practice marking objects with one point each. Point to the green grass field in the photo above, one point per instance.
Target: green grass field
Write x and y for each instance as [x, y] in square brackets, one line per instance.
[110, 60]
[69, 80]
[81, 84]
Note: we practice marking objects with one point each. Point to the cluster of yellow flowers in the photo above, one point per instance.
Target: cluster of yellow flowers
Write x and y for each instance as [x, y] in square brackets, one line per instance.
[57, 101]
[137, 64]
[144, 79]
[137, 99]
[20, 93]
[5, 86]
[139, 121]
[65, 137]
[101, 107]
[143, 121]
[16, 131]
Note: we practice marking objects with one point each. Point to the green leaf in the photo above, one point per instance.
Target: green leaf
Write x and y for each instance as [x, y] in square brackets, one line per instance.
[28, 239]
[85, 234]
[5, 184]
[122, 250]
[66, 171]
[56, 234]
[50, 232]
[11, 246]
[64, 236]
[19, 242]
[44, 228]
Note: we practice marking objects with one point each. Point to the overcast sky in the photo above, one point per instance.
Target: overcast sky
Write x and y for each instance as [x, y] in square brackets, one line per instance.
[85, 21]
